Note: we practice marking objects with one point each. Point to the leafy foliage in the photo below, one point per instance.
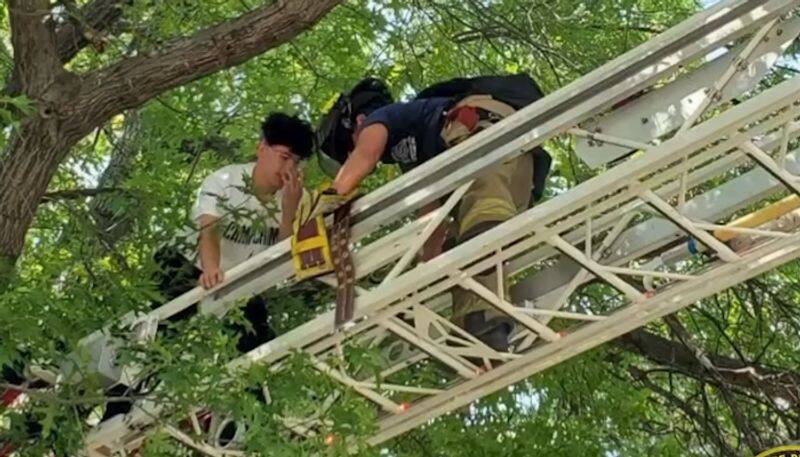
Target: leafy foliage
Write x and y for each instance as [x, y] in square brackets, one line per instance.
[74, 277]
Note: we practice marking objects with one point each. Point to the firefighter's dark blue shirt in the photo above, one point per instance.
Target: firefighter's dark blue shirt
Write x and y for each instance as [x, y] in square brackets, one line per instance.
[414, 130]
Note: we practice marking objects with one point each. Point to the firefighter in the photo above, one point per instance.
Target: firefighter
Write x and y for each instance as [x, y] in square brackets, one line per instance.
[366, 127]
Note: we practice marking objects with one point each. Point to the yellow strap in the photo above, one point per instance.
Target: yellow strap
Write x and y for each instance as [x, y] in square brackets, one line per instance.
[309, 244]
[320, 242]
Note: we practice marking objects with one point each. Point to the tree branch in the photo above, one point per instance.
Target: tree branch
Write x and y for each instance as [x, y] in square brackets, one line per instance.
[641, 376]
[135, 80]
[661, 351]
[73, 194]
[625, 28]
[87, 25]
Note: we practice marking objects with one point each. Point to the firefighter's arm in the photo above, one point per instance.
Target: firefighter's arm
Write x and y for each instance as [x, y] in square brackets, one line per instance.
[209, 251]
[366, 155]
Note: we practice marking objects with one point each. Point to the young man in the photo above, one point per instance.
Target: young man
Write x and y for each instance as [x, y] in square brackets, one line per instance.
[411, 133]
[240, 211]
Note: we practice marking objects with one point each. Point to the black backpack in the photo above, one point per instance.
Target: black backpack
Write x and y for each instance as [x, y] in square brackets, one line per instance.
[334, 136]
[517, 91]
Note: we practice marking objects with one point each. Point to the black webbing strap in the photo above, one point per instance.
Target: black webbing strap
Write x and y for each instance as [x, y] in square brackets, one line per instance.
[343, 265]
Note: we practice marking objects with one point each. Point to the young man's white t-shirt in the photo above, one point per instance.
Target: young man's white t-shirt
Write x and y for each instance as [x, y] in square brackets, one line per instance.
[246, 225]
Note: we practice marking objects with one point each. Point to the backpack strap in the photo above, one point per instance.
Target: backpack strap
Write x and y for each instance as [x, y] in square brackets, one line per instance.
[473, 113]
[487, 103]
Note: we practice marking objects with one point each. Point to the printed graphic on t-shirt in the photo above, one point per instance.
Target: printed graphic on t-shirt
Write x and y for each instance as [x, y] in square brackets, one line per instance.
[246, 225]
[250, 234]
[405, 151]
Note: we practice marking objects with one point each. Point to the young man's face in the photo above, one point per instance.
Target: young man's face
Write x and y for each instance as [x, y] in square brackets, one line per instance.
[277, 160]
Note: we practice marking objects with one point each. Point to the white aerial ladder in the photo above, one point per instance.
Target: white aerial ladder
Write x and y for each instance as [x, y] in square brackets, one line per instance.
[670, 121]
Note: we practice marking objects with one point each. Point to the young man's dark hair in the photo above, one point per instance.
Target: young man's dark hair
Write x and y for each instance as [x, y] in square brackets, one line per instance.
[290, 131]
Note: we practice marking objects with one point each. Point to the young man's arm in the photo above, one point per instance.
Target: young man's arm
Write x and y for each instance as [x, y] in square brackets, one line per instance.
[366, 155]
[286, 226]
[209, 251]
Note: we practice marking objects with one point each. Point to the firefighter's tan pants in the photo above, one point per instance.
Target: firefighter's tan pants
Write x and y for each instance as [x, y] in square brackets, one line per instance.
[495, 196]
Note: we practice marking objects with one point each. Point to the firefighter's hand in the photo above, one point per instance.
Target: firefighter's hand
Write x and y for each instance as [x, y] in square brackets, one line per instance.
[292, 191]
[320, 202]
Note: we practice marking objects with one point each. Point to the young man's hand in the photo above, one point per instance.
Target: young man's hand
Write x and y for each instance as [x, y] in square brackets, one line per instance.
[292, 191]
[209, 251]
[210, 277]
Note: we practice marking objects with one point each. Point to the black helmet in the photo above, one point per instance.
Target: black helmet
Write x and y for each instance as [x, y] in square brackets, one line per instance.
[334, 135]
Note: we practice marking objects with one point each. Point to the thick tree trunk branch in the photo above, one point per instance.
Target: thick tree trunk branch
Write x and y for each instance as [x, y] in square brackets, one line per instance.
[24, 173]
[80, 105]
[133, 81]
[36, 63]
[93, 19]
